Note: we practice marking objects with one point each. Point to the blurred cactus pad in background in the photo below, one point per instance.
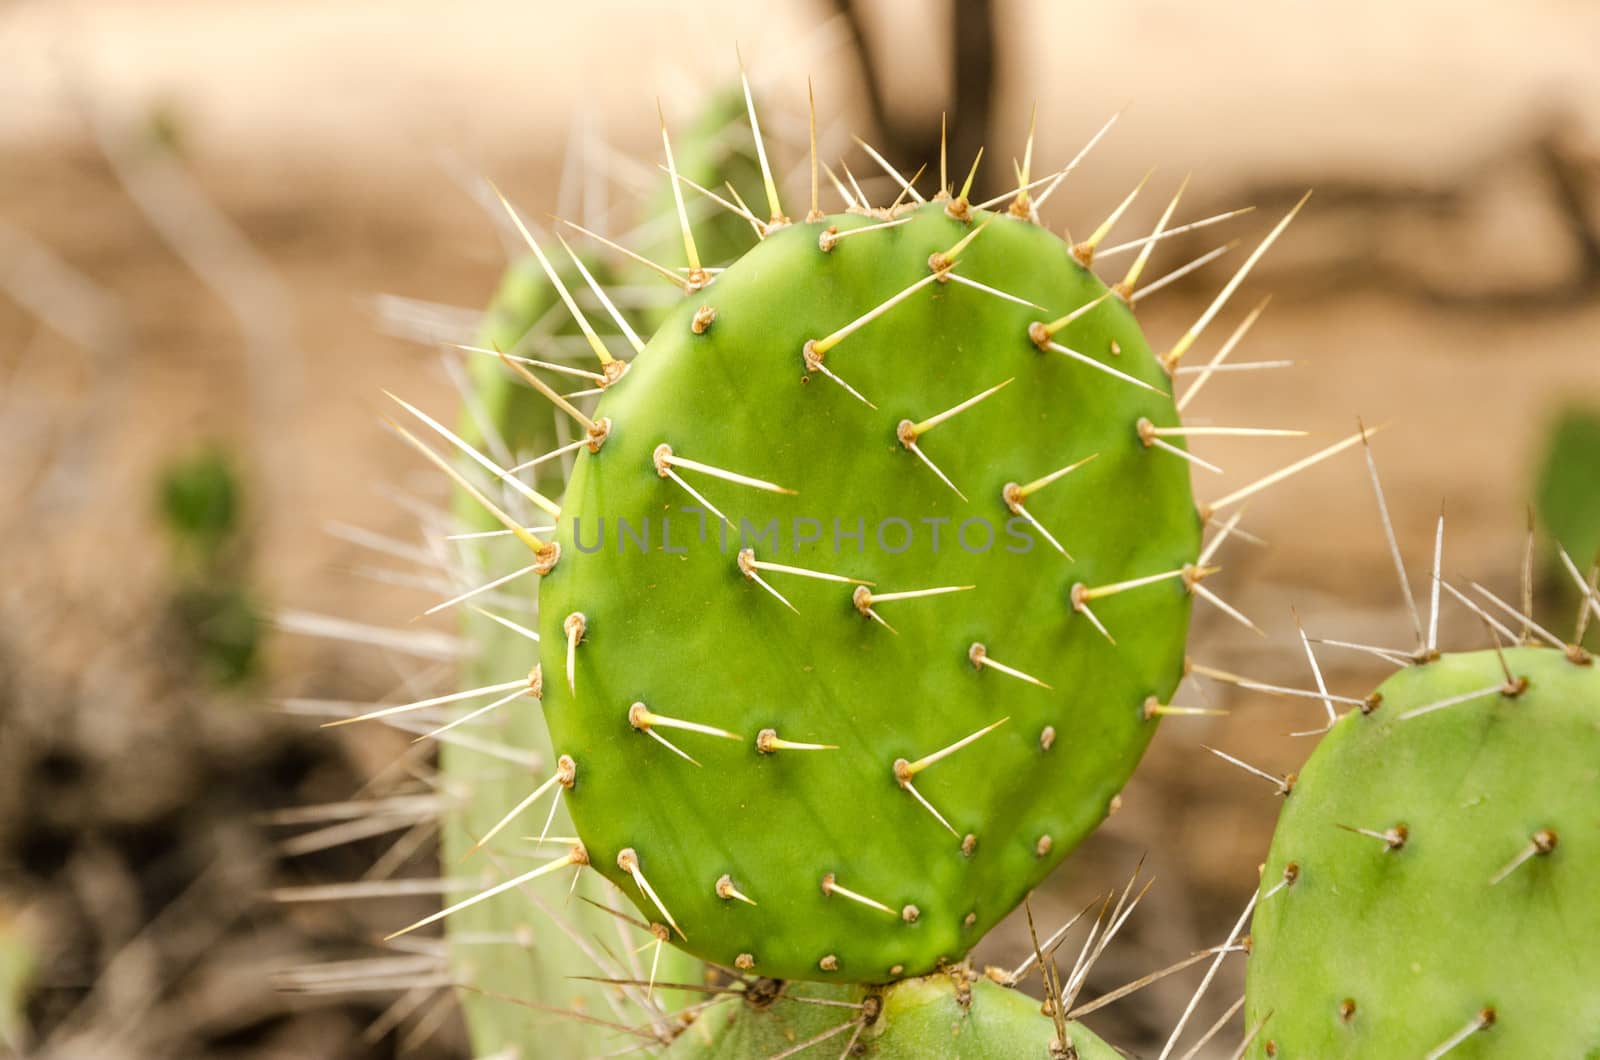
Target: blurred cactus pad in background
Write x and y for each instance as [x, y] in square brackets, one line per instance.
[1568, 500]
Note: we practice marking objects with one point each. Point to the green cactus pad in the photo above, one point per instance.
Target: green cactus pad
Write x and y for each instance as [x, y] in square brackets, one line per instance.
[678, 626]
[1471, 915]
[951, 1016]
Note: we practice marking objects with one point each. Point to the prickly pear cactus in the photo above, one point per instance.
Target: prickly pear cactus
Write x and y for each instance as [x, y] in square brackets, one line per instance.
[810, 737]
[1431, 884]
[956, 1016]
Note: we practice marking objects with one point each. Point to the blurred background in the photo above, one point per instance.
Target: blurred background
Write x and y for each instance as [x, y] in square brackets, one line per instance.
[224, 226]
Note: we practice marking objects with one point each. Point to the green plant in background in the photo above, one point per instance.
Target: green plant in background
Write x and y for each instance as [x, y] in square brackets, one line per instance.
[198, 498]
[1567, 499]
[213, 609]
[1430, 888]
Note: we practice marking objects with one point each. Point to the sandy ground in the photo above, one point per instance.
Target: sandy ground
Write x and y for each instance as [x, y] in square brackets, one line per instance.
[332, 140]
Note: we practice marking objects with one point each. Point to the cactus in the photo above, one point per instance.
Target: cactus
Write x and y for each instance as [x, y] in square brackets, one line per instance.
[1430, 887]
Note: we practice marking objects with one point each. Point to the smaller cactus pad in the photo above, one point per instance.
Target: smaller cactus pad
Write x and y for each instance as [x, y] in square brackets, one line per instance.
[954, 1016]
[1432, 885]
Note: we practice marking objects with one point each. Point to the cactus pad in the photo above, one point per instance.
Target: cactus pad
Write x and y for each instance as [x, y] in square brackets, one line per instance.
[1462, 919]
[956, 1016]
[758, 751]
